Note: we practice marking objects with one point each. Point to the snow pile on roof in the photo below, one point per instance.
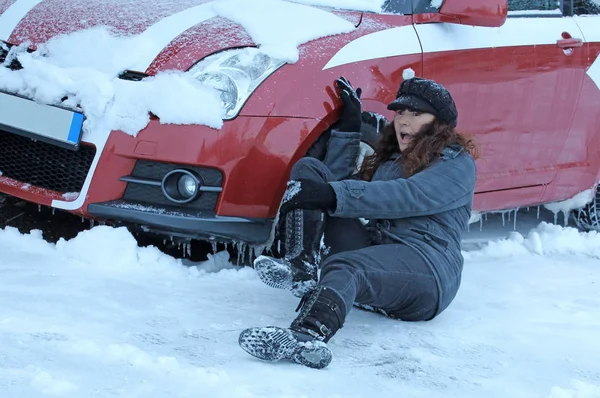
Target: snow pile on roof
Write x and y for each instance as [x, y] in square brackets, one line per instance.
[69, 66]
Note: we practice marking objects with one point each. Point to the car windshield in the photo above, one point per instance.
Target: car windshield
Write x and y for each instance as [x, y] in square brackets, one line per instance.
[533, 5]
[407, 7]
[397, 7]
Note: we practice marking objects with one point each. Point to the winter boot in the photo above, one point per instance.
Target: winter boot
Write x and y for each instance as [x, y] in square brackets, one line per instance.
[323, 313]
[297, 270]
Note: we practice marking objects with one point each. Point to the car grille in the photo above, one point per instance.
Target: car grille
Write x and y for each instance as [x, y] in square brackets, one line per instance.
[155, 171]
[44, 165]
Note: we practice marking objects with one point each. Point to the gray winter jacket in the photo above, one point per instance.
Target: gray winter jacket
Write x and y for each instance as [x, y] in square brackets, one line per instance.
[429, 211]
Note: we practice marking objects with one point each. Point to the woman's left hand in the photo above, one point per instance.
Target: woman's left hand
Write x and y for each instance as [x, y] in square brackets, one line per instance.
[351, 118]
[308, 194]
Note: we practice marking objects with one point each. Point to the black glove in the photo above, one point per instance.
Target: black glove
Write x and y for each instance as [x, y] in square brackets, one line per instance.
[308, 194]
[351, 112]
[377, 120]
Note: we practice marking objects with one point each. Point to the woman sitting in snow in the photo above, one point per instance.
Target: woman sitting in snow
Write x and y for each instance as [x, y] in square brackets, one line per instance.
[416, 190]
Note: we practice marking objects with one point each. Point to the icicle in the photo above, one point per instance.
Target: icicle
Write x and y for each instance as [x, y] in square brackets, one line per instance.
[53, 210]
[481, 224]
[236, 244]
[164, 242]
[91, 223]
[565, 218]
[515, 220]
[39, 208]
[214, 246]
[527, 208]
[486, 217]
[538, 213]
[555, 218]
[243, 253]
[503, 222]
[508, 215]
[82, 219]
[189, 249]
[257, 251]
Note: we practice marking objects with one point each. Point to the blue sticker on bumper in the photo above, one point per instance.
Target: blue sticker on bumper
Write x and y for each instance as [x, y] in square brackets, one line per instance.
[76, 126]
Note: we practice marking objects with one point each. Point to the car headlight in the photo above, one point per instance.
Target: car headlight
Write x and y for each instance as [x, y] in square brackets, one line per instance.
[235, 74]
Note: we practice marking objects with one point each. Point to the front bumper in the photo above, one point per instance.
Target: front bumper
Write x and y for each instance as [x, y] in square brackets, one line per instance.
[184, 223]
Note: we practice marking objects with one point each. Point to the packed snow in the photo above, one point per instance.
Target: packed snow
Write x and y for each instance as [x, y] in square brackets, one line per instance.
[98, 316]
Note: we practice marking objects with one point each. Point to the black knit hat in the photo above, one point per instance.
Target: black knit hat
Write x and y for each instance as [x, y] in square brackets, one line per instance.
[428, 96]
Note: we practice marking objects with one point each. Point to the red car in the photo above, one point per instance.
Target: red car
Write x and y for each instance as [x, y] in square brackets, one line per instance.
[525, 75]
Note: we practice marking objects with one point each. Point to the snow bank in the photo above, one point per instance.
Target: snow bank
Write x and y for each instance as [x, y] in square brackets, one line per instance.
[115, 250]
[546, 239]
[576, 202]
[68, 66]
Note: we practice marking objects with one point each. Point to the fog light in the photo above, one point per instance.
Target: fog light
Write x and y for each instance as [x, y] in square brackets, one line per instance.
[181, 186]
[187, 186]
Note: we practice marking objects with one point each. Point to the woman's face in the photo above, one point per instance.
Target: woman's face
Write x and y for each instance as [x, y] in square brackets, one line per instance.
[407, 123]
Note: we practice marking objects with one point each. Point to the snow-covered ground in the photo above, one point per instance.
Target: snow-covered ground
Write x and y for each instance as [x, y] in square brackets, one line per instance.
[97, 316]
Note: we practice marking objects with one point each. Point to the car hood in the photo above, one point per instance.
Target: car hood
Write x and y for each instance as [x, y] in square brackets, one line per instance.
[182, 29]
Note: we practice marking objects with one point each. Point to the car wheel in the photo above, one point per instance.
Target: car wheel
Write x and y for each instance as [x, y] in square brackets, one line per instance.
[587, 217]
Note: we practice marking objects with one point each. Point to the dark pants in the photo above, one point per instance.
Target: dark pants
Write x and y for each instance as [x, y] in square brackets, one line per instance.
[389, 277]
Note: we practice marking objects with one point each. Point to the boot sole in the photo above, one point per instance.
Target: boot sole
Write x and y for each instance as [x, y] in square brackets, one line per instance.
[273, 343]
[274, 274]
[279, 276]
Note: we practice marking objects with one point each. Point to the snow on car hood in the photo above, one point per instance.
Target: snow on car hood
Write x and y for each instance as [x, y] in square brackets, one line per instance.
[81, 52]
[40, 20]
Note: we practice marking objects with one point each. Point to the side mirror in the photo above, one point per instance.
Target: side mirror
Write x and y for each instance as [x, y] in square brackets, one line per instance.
[491, 13]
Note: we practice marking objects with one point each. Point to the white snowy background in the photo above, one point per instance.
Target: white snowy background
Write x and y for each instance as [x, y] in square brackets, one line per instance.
[98, 316]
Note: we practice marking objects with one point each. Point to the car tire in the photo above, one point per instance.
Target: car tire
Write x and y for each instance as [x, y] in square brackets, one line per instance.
[587, 218]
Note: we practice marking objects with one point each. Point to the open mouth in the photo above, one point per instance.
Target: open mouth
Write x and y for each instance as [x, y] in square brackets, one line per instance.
[405, 136]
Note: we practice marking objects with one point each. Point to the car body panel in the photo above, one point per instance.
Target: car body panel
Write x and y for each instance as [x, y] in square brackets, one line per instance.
[306, 89]
[518, 93]
[579, 161]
